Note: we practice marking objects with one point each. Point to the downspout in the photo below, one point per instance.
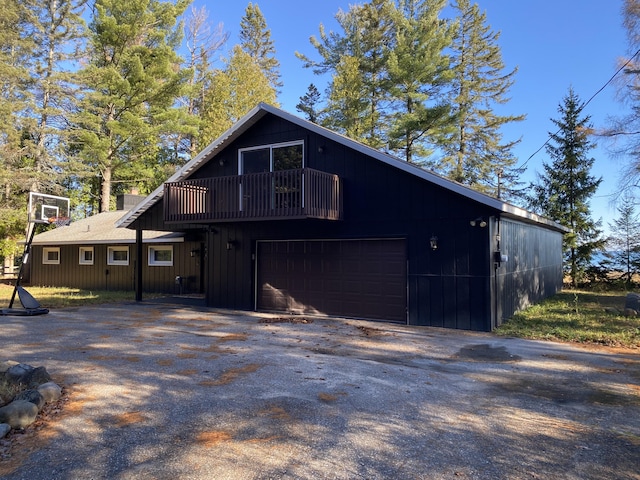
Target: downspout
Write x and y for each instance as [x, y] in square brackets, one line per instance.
[497, 257]
[138, 266]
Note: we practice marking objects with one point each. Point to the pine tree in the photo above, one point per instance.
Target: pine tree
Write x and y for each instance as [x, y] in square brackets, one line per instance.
[361, 51]
[131, 85]
[255, 39]
[563, 192]
[623, 244]
[418, 71]
[58, 31]
[234, 91]
[347, 110]
[475, 152]
[16, 45]
[309, 104]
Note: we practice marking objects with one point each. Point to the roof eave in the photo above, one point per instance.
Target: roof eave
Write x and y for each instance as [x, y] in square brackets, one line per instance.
[256, 113]
[262, 109]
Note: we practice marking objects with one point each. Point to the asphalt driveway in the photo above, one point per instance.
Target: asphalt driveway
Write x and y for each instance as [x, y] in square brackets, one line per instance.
[161, 391]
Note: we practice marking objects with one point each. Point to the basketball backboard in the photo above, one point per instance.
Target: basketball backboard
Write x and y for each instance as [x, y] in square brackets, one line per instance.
[45, 208]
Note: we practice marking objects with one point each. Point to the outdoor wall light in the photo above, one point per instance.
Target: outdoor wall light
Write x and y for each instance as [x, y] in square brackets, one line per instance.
[321, 149]
[231, 244]
[433, 242]
[221, 162]
[479, 222]
[195, 252]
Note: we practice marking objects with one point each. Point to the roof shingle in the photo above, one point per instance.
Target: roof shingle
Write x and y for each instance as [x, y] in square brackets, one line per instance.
[100, 229]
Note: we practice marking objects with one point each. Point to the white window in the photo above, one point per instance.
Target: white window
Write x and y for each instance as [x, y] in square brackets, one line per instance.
[86, 256]
[271, 158]
[282, 189]
[118, 256]
[51, 255]
[161, 256]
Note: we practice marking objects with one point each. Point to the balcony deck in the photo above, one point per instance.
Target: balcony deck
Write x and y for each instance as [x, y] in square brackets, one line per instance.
[287, 194]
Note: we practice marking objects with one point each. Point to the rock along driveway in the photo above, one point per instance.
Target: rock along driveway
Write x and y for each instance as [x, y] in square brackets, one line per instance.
[160, 391]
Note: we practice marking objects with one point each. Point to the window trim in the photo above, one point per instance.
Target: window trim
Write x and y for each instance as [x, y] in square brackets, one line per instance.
[46, 251]
[84, 261]
[117, 248]
[152, 262]
[271, 147]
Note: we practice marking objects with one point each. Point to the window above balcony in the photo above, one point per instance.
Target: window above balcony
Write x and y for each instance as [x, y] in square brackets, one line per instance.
[271, 158]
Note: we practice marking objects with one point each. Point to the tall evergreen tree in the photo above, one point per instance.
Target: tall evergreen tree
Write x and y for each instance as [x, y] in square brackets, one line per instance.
[347, 110]
[58, 31]
[233, 93]
[418, 71]
[132, 82]
[475, 152]
[255, 39]
[563, 192]
[623, 244]
[362, 51]
[15, 176]
[309, 104]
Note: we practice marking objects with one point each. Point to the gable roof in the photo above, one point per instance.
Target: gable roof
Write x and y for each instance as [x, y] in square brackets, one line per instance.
[99, 229]
[263, 109]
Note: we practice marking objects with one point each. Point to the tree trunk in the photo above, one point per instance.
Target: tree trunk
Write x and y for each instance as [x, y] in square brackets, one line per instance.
[105, 190]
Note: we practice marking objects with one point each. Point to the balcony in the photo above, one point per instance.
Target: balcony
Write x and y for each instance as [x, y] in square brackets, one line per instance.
[287, 194]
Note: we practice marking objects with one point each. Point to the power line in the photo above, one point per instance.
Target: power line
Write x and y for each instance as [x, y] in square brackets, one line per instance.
[583, 106]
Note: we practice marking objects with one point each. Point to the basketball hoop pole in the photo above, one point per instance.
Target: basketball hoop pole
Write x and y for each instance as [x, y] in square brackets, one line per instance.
[25, 259]
[41, 208]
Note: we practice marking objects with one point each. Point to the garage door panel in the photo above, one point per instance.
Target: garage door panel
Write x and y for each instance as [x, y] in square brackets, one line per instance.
[355, 278]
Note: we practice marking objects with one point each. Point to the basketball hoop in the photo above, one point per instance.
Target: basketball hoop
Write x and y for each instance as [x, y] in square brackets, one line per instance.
[59, 221]
[41, 208]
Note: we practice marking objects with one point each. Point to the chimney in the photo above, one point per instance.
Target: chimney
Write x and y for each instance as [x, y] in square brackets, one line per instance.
[127, 201]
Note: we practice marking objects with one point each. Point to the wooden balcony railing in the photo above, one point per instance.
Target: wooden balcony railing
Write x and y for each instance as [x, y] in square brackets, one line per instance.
[287, 194]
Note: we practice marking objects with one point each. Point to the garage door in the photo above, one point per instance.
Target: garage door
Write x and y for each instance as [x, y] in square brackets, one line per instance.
[352, 278]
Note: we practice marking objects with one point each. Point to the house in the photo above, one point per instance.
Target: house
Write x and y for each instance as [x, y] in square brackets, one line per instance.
[93, 254]
[297, 218]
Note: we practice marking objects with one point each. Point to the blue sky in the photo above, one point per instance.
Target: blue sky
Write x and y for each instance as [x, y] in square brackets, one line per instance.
[554, 43]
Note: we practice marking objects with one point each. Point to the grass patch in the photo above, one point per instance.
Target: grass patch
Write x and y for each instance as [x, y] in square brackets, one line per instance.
[577, 316]
[59, 297]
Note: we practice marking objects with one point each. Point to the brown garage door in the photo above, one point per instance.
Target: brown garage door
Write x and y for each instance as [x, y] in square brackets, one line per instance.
[352, 278]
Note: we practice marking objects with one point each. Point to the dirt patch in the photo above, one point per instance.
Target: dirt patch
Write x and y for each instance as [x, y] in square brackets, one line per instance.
[275, 412]
[233, 337]
[185, 356]
[372, 332]
[213, 348]
[327, 397]
[230, 375]
[485, 353]
[330, 397]
[129, 418]
[213, 438]
[296, 320]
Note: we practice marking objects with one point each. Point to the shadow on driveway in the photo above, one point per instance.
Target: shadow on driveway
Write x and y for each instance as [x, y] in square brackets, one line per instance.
[172, 391]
